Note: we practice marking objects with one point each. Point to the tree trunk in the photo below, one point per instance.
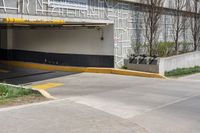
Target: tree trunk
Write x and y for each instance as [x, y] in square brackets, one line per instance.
[195, 42]
[176, 43]
[177, 34]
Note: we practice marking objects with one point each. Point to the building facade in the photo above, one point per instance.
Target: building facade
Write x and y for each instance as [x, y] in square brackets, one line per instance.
[95, 33]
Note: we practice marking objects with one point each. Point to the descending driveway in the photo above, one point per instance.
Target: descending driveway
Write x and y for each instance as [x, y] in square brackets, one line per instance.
[103, 103]
[21, 76]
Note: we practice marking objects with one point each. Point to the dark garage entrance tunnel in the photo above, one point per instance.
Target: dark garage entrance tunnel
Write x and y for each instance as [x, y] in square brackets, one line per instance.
[84, 46]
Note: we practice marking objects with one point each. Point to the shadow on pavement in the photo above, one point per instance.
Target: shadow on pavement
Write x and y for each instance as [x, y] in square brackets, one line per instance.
[19, 76]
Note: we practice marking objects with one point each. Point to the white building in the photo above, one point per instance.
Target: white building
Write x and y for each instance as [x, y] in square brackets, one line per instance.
[89, 32]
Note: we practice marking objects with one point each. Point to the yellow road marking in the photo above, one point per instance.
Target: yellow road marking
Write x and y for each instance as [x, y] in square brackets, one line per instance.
[3, 71]
[47, 86]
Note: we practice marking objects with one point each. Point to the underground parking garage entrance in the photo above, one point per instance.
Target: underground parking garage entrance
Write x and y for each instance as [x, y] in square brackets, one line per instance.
[72, 44]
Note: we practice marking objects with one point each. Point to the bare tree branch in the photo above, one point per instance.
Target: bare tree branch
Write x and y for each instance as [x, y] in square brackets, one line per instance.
[152, 18]
[195, 23]
[179, 21]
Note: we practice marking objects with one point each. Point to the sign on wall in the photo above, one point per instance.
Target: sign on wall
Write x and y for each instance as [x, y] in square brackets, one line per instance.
[69, 4]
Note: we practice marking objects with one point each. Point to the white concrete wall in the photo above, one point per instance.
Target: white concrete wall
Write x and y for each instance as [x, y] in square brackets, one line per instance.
[167, 3]
[179, 61]
[74, 41]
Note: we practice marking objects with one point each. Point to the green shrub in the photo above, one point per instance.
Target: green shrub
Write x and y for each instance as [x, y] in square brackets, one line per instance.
[3, 91]
[183, 71]
[124, 67]
[13, 92]
[161, 49]
[165, 49]
[185, 47]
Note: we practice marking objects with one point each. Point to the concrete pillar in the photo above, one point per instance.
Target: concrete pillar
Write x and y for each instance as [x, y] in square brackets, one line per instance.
[5, 43]
[3, 38]
[0, 39]
[9, 39]
[6, 38]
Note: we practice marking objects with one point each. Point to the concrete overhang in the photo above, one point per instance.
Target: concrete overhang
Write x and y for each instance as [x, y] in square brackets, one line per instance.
[46, 20]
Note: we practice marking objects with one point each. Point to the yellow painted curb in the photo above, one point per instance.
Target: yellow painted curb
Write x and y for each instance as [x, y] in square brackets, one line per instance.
[137, 73]
[45, 94]
[82, 69]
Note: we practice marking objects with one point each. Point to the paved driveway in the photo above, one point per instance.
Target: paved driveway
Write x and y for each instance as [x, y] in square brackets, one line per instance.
[103, 103]
[19, 76]
[192, 77]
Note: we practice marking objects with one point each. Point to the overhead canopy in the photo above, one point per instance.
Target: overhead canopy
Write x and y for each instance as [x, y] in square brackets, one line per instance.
[54, 22]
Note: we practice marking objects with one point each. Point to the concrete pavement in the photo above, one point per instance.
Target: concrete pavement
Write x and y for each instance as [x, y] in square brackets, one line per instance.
[63, 116]
[180, 117]
[192, 77]
[110, 104]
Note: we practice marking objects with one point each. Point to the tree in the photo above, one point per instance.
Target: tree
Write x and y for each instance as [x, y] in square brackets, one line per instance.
[153, 13]
[179, 21]
[195, 23]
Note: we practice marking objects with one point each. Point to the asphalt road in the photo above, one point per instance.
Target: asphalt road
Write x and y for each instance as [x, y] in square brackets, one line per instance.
[103, 103]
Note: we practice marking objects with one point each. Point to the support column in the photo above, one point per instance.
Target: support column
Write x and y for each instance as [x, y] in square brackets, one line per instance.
[9, 39]
[3, 38]
[6, 43]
